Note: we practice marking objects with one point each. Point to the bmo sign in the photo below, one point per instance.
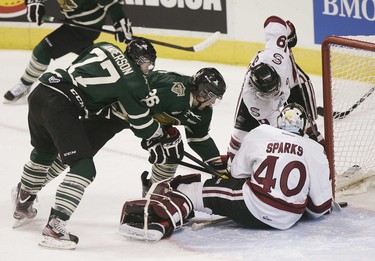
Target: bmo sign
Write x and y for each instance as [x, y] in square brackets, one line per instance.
[343, 17]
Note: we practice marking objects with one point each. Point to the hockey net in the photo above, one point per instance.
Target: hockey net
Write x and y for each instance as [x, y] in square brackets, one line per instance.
[349, 108]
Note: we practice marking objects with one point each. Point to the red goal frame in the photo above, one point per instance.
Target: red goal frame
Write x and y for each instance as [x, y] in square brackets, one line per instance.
[327, 91]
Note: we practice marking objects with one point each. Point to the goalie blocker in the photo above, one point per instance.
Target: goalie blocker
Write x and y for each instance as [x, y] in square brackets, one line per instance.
[163, 211]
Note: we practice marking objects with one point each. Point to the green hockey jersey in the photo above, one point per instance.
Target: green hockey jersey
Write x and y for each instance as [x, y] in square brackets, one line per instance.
[102, 75]
[92, 13]
[170, 102]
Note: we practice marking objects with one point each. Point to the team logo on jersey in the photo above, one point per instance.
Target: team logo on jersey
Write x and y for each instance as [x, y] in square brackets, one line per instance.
[192, 118]
[52, 79]
[278, 58]
[254, 111]
[67, 5]
[178, 88]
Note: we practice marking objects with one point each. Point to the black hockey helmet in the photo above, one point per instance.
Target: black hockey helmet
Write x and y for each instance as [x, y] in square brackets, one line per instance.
[140, 51]
[265, 80]
[208, 83]
[292, 118]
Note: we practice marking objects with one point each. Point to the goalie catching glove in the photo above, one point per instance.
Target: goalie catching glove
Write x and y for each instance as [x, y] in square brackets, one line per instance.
[163, 211]
[168, 147]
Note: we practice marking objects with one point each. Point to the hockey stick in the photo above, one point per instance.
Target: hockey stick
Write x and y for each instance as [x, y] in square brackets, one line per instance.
[192, 166]
[196, 48]
[205, 166]
[308, 112]
[342, 115]
[199, 225]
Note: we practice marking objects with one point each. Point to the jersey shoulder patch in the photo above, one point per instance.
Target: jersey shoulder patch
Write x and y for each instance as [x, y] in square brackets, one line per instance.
[178, 88]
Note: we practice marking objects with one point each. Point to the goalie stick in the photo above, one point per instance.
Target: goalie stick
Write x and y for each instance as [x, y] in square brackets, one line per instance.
[196, 48]
[342, 115]
[336, 206]
[199, 225]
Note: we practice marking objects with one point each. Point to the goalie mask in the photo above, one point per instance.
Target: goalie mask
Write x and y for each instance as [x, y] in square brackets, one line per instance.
[208, 83]
[141, 51]
[265, 81]
[293, 119]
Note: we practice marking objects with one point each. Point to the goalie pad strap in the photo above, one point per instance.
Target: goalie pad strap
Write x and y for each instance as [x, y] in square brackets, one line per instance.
[162, 205]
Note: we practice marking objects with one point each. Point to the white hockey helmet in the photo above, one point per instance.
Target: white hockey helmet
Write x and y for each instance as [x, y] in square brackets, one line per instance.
[293, 119]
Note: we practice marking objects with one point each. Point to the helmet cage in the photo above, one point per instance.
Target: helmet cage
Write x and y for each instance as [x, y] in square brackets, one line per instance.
[293, 119]
[143, 59]
[208, 83]
[141, 51]
[205, 90]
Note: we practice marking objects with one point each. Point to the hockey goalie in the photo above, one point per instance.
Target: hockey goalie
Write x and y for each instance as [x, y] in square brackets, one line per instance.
[273, 185]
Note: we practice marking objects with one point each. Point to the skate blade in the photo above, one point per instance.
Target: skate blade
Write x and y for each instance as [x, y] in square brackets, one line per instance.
[21, 101]
[139, 234]
[51, 242]
[21, 222]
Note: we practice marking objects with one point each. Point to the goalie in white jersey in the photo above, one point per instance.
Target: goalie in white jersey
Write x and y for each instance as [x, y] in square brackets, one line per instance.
[277, 177]
[270, 82]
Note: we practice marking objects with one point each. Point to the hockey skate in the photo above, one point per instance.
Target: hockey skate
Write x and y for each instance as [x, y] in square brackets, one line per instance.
[18, 94]
[24, 212]
[55, 235]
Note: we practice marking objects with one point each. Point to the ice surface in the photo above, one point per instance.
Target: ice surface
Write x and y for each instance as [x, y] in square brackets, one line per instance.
[345, 235]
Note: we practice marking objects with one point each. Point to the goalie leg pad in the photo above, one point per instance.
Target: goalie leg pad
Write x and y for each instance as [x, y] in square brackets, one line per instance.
[136, 224]
[185, 179]
[156, 217]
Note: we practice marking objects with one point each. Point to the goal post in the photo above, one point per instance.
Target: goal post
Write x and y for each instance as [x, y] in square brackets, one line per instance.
[348, 65]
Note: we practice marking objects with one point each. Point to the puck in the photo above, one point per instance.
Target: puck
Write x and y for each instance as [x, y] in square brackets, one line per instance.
[343, 204]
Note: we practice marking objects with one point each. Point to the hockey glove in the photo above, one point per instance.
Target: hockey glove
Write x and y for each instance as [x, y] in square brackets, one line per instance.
[35, 11]
[292, 37]
[156, 151]
[318, 137]
[124, 31]
[173, 145]
[220, 165]
[169, 146]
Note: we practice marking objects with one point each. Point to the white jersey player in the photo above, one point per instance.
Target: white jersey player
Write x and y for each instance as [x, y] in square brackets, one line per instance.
[271, 82]
[286, 174]
[277, 176]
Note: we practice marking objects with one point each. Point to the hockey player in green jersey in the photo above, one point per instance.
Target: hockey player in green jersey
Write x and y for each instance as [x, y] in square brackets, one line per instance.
[100, 76]
[66, 38]
[174, 99]
[187, 101]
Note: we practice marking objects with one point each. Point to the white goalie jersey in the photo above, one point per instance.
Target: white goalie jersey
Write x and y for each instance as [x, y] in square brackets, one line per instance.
[275, 54]
[286, 175]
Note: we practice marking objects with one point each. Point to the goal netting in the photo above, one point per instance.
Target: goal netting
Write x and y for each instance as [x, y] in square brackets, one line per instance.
[349, 108]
